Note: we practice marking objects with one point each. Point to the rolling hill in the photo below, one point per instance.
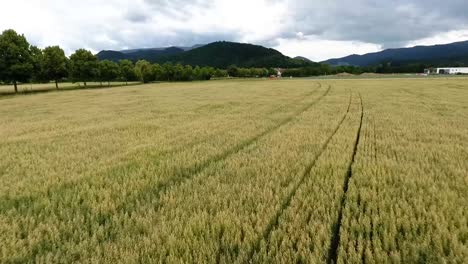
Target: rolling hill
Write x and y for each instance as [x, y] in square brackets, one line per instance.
[159, 49]
[217, 54]
[138, 54]
[454, 53]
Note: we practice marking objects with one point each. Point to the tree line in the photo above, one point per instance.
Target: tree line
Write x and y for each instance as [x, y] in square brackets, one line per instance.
[22, 62]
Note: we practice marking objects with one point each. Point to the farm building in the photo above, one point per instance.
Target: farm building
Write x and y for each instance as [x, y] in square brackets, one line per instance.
[448, 70]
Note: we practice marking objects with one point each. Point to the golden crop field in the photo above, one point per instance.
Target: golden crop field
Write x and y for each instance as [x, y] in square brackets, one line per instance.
[237, 171]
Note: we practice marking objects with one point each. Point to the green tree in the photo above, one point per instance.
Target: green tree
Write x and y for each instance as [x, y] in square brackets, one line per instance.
[158, 72]
[272, 71]
[206, 73]
[178, 73]
[54, 64]
[38, 73]
[108, 71]
[144, 71]
[244, 72]
[197, 73]
[168, 71]
[188, 73]
[220, 73]
[233, 71]
[16, 62]
[83, 66]
[127, 70]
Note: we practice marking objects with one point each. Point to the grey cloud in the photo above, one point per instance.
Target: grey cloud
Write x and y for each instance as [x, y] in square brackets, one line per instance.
[137, 16]
[390, 23]
[180, 38]
[180, 9]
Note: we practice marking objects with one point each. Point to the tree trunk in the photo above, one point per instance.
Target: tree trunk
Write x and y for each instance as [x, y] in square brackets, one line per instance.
[16, 86]
[56, 84]
[84, 84]
[126, 82]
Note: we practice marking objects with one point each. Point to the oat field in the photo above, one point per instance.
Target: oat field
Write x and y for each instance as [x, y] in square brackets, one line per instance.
[237, 171]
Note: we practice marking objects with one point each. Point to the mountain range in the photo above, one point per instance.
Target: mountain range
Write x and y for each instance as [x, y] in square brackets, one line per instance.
[130, 51]
[223, 54]
[453, 54]
[219, 54]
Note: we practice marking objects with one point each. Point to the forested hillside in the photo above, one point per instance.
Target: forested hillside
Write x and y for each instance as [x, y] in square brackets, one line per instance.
[218, 54]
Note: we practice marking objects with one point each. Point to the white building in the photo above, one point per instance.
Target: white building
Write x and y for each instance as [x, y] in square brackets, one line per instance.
[448, 70]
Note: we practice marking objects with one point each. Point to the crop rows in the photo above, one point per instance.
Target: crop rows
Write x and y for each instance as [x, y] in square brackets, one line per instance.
[408, 197]
[170, 129]
[130, 182]
[223, 209]
[351, 171]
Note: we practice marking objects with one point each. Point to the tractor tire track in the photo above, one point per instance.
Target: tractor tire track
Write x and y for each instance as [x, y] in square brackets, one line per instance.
[189, 173]
[151, 193]
[274, 222]
[8, 203]
[209, 137]
[335, 240]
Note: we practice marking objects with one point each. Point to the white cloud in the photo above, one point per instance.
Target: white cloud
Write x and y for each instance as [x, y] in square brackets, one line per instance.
[443, 38]
[319, 50]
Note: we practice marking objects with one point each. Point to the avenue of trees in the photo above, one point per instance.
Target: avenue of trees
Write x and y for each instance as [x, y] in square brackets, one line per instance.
[21, 62]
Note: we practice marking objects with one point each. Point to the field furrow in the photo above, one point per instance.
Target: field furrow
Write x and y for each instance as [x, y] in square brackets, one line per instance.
[407, 202]
[187, 139]
[260, 175]
[148, 174]
[155, 137]
[335, 239]
[237, 171]
[304, 230]
[273, 223]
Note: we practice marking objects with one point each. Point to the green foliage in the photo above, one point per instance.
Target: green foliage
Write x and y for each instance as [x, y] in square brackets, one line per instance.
[39, 73]
[188, 73]
[321, 69]
[217, 55]
[233, 71]
[16, 58]
[54, 64]
[144, 71]
[220, 73]
[108, 71]
[127, 70]
[168, 71]
[83, 66]
[158, 72]
[223, 54]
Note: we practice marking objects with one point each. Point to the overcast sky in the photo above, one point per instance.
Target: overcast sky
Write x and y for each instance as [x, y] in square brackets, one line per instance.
[315, 29]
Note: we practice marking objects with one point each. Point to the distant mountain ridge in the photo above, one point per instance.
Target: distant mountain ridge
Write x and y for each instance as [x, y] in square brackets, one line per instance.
[219, 54]
[129, 51]
[302, 58]
[151, 54]
[453, 53]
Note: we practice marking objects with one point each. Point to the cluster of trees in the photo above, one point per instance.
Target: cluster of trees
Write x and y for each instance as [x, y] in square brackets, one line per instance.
[22, 62]
[235, 71]
[323, 69]
[148, 72]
